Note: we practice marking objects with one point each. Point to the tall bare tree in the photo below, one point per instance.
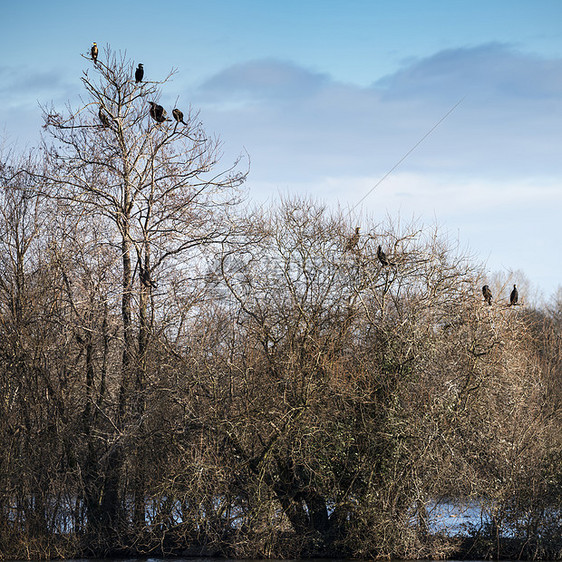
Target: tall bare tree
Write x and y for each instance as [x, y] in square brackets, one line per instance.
[156, 182]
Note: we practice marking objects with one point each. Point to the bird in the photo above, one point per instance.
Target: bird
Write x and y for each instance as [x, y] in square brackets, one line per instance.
[145, 278]
[514, 297]
[382, 257]
[353, 240]
[178, 116]
[104, 118]
[157, 112]
[139, 73]
[94, 52]
[487, 294]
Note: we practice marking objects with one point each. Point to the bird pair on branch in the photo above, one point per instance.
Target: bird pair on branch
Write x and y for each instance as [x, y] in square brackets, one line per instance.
[513, 297]
[139, 72]
[354, 240]
[158, 113]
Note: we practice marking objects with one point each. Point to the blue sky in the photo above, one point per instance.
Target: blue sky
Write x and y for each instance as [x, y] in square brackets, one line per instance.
[327, 96]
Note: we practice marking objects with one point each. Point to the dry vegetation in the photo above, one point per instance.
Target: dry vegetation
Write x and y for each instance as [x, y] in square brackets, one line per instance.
[177, 377]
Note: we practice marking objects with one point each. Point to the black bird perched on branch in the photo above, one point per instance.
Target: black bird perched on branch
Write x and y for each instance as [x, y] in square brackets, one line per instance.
[157, 112]
[104, 118]
[487, 294]
[94, 52]
[178, 116]
[353, 240]
[514, 297]
[139, 73]
[145, 278]
[382, 257]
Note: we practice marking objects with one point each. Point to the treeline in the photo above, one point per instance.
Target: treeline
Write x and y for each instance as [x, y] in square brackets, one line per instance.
[182, 376]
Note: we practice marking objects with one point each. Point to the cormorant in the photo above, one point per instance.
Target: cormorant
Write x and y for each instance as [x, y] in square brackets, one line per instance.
[139, 73]
[514, 297]
[382, 257]
[178, 116]
[487, 294]
[145, 278]
[94, 52]
[157, 112]
[353, 240]
[104, 118]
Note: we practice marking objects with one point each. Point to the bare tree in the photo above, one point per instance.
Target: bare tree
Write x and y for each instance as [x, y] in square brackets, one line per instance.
[34, 405]
[355, 396]
[156, 183]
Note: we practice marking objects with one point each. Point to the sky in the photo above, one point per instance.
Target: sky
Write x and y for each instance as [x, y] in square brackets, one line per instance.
[444, 112]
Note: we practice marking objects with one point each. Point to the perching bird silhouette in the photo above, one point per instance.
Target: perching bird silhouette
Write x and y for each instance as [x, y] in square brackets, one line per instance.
[382, 257]
[145, 278]
[94, 52]
[104, 118]
[157, 112]
[139, 73]
[353, 240]
[178, 116]
[514, 297]
[487, 294]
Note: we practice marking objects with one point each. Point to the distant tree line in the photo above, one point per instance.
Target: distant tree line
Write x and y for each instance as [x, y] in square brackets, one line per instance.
[182, 376]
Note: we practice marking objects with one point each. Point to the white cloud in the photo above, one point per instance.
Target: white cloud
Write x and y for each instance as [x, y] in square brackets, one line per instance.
[263, 80]
[296, 122]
